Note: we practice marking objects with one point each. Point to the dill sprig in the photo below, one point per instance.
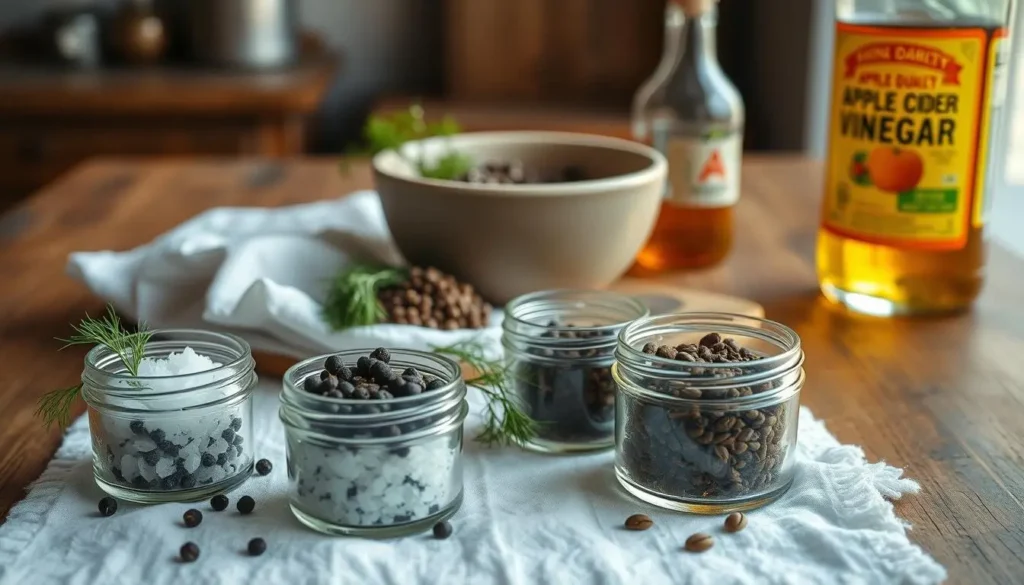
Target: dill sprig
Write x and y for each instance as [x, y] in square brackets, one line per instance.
[391, 132]
[505, 420]
[55, 407]
[351, 299]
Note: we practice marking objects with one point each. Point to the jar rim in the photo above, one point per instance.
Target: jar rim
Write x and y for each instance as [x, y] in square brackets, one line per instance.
[516, 327]
[674, 322]
[244, 350]
[790, 359]
[292, 382]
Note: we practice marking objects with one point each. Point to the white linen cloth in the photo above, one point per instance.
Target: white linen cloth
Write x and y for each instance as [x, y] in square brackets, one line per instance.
[527, 519]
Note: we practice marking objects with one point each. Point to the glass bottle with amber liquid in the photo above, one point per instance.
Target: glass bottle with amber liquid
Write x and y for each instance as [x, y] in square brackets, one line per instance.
[693, 114]
[917, 94]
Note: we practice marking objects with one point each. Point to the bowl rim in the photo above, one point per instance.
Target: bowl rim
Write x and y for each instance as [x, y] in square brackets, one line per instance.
[658, 164]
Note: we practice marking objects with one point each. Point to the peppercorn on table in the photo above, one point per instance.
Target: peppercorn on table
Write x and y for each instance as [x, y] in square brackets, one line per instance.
[943, 398]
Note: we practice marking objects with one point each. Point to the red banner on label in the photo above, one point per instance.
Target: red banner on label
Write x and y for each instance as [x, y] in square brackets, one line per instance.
[905, 54]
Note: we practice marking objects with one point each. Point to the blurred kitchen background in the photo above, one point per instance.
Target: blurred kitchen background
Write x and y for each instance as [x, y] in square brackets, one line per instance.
[80, 78]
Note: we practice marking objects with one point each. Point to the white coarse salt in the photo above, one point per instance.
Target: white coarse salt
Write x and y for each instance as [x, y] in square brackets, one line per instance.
[182, 363]
[375, 485]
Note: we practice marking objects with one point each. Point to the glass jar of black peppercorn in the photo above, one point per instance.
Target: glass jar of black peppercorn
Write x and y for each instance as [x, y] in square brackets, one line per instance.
[707, 410]
[560, 346]
[177, 431]
[366, 462]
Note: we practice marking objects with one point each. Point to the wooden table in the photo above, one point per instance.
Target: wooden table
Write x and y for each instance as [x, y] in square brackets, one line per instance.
[942, 398]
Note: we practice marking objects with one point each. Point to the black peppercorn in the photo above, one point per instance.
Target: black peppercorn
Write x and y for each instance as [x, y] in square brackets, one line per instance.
[108, 506]
[158, 436]
[412, 373]
[192, 518]
[169, 448]
[189, 552]
[362, 392]
[257, 546]
[151, 457]
[236, 424]
[344, 374]
[324, 375]
[228, 435]
[264, 466]
[411, 389]
[346, 389]
[380, 372]
[383, 395]
[442, 530]
[137, 427]
[246, 504]
[188, 481]
[311, 384]
[333, 365]
[435, 384]
[219, 503]
[381, 354]
[208, 459]
[363, 366]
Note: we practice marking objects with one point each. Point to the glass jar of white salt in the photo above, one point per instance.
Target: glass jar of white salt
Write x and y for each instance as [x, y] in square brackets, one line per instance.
[177, 431]
[375, 468]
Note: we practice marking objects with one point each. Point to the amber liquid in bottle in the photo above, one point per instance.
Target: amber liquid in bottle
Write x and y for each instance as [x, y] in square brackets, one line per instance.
[692, 113]
[884, 279]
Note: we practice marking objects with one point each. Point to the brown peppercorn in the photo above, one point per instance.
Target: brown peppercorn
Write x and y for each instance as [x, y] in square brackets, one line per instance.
[639, 522]
[699, 542]
[433, 299]
[735, 522]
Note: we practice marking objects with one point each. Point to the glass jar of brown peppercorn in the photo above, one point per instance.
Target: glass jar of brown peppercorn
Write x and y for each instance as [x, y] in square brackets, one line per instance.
[560, 346]
[707, 410]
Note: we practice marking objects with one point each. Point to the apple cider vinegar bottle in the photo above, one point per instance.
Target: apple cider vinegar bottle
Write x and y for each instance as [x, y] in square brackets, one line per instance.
[917, 92]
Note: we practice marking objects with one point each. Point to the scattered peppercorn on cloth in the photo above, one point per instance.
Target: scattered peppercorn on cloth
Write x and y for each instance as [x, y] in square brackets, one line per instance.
[527, 519]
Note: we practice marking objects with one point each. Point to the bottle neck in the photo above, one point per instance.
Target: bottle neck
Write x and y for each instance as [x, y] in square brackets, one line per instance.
[691, 35]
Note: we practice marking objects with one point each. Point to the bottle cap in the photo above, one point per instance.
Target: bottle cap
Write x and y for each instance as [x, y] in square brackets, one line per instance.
[696, 7]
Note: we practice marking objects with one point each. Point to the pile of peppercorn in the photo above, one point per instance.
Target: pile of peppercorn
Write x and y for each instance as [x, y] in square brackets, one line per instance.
[513, 172]
[431, 298]
[371, 378]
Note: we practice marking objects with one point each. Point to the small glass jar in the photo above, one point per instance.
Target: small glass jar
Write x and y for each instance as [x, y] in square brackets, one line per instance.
[560, 346]
[375, 468]
[171, 438]
[707, 434]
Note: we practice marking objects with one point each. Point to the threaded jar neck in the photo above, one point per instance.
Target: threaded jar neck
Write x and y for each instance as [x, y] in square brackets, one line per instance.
[775, 375]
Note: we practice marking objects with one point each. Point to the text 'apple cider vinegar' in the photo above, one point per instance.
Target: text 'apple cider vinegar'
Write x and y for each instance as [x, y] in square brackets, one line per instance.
[917, 91]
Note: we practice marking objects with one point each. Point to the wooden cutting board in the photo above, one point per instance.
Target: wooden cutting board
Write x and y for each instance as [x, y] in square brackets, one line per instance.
[660, 298]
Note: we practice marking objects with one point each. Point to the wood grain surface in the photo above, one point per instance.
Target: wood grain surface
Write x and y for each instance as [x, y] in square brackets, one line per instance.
[943, 398]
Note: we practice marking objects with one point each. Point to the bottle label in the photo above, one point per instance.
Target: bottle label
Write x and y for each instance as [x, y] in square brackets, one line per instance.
[905, 160]
[704, 171]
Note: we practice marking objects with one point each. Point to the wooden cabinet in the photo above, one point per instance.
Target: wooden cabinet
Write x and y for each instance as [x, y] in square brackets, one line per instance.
[583, 52]
[50, 120]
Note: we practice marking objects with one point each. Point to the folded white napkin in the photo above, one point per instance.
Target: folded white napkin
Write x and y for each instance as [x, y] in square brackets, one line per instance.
[527, 519]
[259, 273]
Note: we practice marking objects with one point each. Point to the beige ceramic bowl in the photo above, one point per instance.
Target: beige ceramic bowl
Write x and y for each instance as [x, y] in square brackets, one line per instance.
[507, 240]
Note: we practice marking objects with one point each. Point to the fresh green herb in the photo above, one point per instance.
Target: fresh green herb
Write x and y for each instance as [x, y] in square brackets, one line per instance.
[505, 421]
[352, 296]
[55, 407]
[392, 132]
